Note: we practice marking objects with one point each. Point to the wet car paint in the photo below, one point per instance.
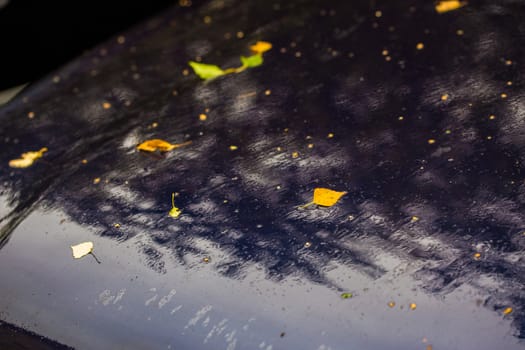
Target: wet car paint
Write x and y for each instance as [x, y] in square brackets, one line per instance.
[407, 232]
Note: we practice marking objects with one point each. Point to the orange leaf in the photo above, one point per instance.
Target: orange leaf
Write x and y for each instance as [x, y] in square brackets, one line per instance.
[449, 5]
[27, 159]
[158, 144]
[261, 46]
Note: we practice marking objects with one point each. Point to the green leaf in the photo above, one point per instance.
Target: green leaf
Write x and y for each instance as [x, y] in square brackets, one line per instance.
[206, 71]
[252, 61]
[346, 295]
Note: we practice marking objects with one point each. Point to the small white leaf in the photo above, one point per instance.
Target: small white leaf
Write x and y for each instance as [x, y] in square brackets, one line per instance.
[82, 249]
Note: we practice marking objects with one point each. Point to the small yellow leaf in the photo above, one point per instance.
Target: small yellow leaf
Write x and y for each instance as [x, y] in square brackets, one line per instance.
[82, 249]
[174, 212]
[449, 5]
[507, 311]
[27, 159]
[158, 144]
[261, 46]
[326, 197]
[413, 306]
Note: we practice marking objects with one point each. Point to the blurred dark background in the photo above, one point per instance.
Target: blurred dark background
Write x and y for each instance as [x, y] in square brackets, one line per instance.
[37, 37]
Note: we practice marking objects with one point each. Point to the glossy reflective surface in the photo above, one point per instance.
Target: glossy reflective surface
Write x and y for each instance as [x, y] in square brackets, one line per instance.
[346, 99]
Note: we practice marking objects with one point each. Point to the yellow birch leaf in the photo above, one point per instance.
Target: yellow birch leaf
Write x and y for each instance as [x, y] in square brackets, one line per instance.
[326, 197]
[507, 311]
[174, 212]
[27, 159]
[261, 46]
[158, 144]
[449, 5]
[82, 249]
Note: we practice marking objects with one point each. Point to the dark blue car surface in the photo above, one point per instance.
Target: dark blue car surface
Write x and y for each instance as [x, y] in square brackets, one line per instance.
[416, 116]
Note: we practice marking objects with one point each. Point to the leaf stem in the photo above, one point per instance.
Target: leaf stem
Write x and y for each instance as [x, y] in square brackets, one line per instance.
[305, 205]
[95, 257]
[182, 144]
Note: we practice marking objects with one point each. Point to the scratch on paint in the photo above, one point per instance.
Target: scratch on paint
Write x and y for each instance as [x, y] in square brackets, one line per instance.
[119, 296]
[105, 297]
[198, 315]
[150, 300]
[263, 344]
[230, 336]
[232, 344]
[175, 309]
[166, 299]
[231, 340]
[247, 325]
[217, 329]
